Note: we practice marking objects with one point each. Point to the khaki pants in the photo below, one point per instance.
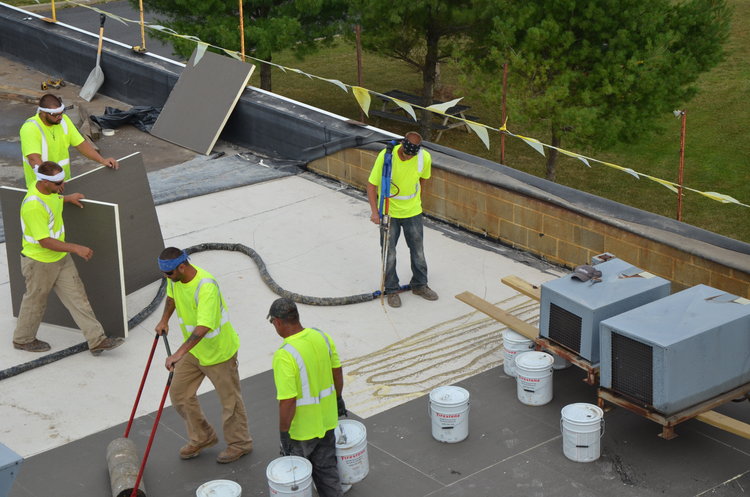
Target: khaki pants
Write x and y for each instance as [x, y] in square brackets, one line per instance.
[62, 276]
[188, 375]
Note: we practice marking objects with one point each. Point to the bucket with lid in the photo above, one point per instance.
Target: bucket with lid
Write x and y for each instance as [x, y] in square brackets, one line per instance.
[219, 488]
[449, 414]
[351, 451]
[582, 426]
[289, 476]
[534, 378]
[513, 344]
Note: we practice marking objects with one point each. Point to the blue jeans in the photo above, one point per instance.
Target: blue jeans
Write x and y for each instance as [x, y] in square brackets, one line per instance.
[413, 232]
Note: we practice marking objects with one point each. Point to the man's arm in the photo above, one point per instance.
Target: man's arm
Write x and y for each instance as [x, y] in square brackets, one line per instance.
[90, 152]
[162, 326]
[372, 197]
[338, 380]
[34, 160]
[196, 336]
[81, 251]
[287, 409]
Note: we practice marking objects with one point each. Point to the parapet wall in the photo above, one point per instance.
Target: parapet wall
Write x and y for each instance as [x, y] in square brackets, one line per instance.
[492, 203]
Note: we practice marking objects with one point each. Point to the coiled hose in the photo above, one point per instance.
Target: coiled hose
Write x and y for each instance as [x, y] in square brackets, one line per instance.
[161, 292]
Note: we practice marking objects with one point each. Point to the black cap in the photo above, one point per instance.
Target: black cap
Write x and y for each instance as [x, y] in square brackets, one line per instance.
[283, 308]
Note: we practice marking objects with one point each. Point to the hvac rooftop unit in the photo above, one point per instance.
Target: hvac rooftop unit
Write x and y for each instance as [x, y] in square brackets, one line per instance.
[571, 310]
[678, 351]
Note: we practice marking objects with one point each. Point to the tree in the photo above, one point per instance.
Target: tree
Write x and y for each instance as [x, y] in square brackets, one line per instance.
[595, 72]
[419, 32]
[270, 25]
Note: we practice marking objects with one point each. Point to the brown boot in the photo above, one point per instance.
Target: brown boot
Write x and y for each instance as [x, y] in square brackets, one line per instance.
[190, 451]
[107, 344]
[231, 454]
[35, 346]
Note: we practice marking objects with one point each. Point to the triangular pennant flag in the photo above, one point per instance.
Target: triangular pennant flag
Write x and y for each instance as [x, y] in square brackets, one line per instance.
[300, 71]
[533, 143]
[233, 54]
[720, 197]
[199, 51]
[441, 108]
[667, 184]
[481, 132]
[406, 106]
[363, 98]
[337, 83]
[631, 172]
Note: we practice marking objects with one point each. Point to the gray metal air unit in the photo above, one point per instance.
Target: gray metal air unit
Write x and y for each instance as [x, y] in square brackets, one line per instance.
[678, 351]
[571, 310]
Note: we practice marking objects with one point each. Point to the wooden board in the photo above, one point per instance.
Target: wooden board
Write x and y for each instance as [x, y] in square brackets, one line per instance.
[142, 240]
[102, 275]
[493, 311]
[202, 100]
[523, 286]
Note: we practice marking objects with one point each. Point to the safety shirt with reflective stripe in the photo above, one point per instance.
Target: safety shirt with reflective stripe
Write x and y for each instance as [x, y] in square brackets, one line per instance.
[51, 142]
[302, 371]
[200, 303]
[406, 199]
[41, 217]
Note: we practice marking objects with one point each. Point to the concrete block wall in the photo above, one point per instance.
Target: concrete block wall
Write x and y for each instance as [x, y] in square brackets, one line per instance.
[556, 234]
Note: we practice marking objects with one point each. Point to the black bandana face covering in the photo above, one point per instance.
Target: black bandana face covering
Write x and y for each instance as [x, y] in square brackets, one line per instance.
[410, 148]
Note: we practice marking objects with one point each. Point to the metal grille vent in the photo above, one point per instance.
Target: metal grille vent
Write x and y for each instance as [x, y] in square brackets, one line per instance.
[565, 328]
[632, 369]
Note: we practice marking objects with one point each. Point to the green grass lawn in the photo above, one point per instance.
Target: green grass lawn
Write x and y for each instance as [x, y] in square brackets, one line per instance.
[717, 156]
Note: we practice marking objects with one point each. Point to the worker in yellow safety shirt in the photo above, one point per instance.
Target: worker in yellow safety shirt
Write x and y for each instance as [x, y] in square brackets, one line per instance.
[309, 382]
[48, 135]
[209, 350]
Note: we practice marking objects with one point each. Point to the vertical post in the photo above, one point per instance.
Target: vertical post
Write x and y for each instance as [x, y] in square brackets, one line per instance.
[242, 33]
[54, 12]
[681, 171]
[143, 32]
[358, 32]
[505, 93]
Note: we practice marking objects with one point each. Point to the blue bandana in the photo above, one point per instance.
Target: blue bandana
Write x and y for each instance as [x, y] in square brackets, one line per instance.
[167, 265]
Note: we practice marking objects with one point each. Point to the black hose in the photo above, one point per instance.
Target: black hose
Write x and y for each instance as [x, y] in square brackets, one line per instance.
[203, 247]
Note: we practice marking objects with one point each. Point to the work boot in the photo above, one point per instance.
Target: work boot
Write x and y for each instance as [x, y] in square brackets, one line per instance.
[425, 292]
[35, 346]
[394, 300]
[107, 344]
[231, 454]
[190, 451]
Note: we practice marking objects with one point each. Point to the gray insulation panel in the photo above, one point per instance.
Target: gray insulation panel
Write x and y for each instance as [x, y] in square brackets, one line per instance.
[201, 101]
[594, 302]
[102, 275]
[700, 341]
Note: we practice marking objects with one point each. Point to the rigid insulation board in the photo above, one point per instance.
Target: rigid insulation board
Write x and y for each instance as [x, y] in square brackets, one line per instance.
[97, 226]
[142, 240]
[202, 100]
[678, 351]
[571, 310]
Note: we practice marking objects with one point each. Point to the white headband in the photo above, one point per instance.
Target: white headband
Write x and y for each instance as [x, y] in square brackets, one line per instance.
[55, 179]
[58, 110]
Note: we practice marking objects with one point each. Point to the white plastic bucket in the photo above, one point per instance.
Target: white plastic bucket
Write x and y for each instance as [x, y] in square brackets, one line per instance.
[219, 488]
[449, 414]
[513, 343]
[351, 451]
[290, 476]
[582, 426]
[534, 378]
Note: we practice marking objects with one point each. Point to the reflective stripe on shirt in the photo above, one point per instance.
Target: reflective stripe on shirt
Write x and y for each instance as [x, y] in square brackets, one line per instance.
[307, 398]
[420, 167]
[50, 223]
[224, 313]
[45, 146]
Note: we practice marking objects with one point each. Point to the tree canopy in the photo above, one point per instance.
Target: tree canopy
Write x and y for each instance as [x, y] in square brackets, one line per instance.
[270, 25]
[419, 32]
[593, 72]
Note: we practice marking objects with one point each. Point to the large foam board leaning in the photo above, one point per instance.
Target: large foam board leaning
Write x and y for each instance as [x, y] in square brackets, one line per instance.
[142, 240]
[200, 103]
[97, 226]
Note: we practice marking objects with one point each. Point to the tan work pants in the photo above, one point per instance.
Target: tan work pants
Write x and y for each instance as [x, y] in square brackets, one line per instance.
[188, 375]
[62, 276]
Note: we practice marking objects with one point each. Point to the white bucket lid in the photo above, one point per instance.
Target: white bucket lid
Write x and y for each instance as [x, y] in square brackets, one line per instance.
[534, 360]
[512, 336]
[288, 469]
[219, 488]
[352, 433]
[581, 412]
[449, 395]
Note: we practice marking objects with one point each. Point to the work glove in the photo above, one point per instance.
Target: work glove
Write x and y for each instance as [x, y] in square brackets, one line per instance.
[342, 407]
[286, 443]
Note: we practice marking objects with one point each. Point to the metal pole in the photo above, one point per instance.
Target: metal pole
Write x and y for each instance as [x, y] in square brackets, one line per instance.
[143, 32]
[54, 12]
[681, 171]
[358, 31]
[505, 93]
[242, 33]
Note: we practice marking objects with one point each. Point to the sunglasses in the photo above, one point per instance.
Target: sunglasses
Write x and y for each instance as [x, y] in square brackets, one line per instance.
[168, 273]
[270, 319]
